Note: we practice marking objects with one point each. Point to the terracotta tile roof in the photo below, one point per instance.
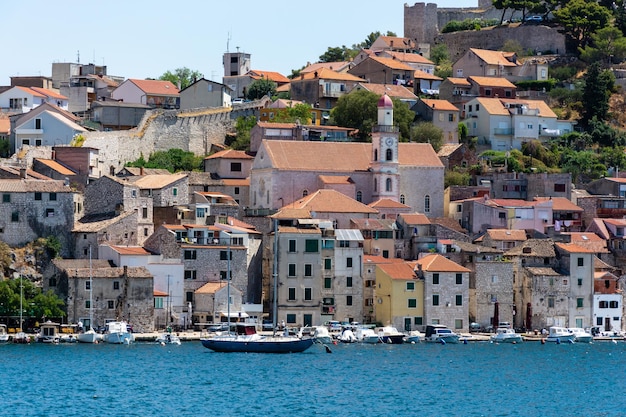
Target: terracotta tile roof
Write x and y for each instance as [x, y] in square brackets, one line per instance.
[331, 201]
[130, 250]
[392, 90]
[240, 223]
[49, 93]
[298, 230]
[387, 203]
[210, 287]
[472, 248]
[392, 63]
[491, 81]
[511, 202]
[543, 271]
[560, 204]
[30, 91]
[155, 87]
[398, 270]
[52, 164]
[282, 103]
[339, 66]
[243, 182]
[506, 234]
[374, 224]
[157, 293]
[291, 213]
[615, 222]
[146, 171]
[5, 125]
[439, 104]
[540, 105]
[448, 149]
[459, 81]
[335, 179]
[230, 154]
[19, 185]
[493, 106]
[269, 75]
[542, 248]
[422, 75]
[494, 57]
[588, 240]
[414, 218]
[437, 263]
[410, 57]
[341, 156]
[398, 42]
[376, 260]
[574, 248]
[449, 223]
[600, 264]
[157, 181]
[327, 74]
[613, 179]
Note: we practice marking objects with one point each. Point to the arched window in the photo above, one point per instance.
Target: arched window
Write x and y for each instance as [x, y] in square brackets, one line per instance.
[359, 196]
[305, 193]
[375, 154]
[402, 198]
[426, 203]
[388, 184]
[389, 155]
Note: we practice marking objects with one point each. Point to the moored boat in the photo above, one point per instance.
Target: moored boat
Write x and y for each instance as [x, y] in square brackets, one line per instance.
[246, 339]
[506, 335]
[367, 335]
[438, 333]
[89, 336]
[391, 335]
[4, 336]
[413, 336]
[580, 335]
[48, 333]
[321, 335]
[560, 335]
[117, 332]
[168, 339]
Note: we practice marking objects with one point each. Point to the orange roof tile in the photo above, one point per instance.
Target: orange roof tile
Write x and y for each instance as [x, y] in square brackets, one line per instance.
[459, 81]
[210, 287]
[439, 104]
[494, 57]
[398, 270]
[5, 125]
[398, 42]
[49, 93]
[130, 250]
[56, 166]
[506, 234]
[155, 87]
[387, 203]
[336, 179]
[331, 201]
[376, 260]
[392, 90]
[392, 63]
[338, 66]
[230, 154]
[157, 293]
[31, 91]
[561, 204]
[410, 57]
[415, 218]
[235, 182]
[327, 74]
[423, 75]
[269, 75]
[492, 81]
[574, 248]
[438, 263]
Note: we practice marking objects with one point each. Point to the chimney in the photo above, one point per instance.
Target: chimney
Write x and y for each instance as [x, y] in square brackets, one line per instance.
[23, 173]
[141, 172]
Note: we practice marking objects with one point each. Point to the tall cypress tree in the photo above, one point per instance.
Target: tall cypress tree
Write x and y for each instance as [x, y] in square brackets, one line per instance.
[596, 94]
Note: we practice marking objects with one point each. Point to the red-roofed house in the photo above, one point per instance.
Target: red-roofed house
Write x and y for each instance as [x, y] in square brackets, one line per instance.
[380, 70]
[23, 99]
[488, 63]
[399, 296]
[229, 163]
[323, 88]
[154, 93]
[480, 214]
[442, 114]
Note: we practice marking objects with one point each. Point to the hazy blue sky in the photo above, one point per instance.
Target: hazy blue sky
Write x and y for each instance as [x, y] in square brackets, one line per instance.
[141, 39]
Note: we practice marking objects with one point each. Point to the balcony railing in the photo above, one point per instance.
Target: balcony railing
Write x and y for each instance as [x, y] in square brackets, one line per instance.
[503, 131]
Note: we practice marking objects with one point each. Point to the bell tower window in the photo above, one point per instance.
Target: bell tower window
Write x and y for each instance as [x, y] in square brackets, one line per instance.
[389, 155]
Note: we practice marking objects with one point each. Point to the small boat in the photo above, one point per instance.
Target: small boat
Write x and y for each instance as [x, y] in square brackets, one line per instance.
[321, 335]
[347, 336]
[89, 336]
[21, 338]
[4, 336]
[560, 335]
[117, 332]
[68, 338]
[48, 333]
[246, 339]
[414, 336]
[506, 335]
[439, 333]
[367, 335]
[168, 339]
[580, 335]
[391, 335]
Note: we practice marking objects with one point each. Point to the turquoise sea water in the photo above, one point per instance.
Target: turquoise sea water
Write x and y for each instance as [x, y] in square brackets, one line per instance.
[476, 379]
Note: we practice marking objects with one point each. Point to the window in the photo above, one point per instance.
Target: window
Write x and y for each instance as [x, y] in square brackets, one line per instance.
[410, 286]
[15, 216]
[494, 279]
[614, 304]
[6, 198]
[349, 282]
[224, 255]
[308, 270]
[426, 203]
[348, 300]
[328, 263]
[236, 191]
[359, 196]
[292, 270]
[580, 282]
[458, 324]
[174, 191]
[49, 212]
[579, 302]
[451, 117]
[52, 196]
[328, 282]
[87, 285]
[385, 254]
[501, 215]
[158, 303]
[412, 303]
[87, 304]
[418, 321]
[459, 300]
[559, 188]
[190, 254]
[111, 304]
[308, 294]
[37, 123]
[344, 243]
[144, 212]
[223, 275]
[402, 199]
[311, 246]
[581, 261]
[189, 296]
[435, 299]
[477, 107]
[37, 196]
[190, 274]
[292, 245]
[435, 279]
[389, 155]
[487, 92]
[603, 304]
[388, 184]
[348, 262]
[305, 193]
[291, 318]
[550, 302]
[459, 279]
[145, 231]
[116, 285]
[52, 282]
[292, 294]
[235, 166]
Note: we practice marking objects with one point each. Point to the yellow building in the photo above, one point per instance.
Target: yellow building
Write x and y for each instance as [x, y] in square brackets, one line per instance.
[399, 296]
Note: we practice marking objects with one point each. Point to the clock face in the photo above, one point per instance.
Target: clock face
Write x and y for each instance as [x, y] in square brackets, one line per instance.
[389, 141]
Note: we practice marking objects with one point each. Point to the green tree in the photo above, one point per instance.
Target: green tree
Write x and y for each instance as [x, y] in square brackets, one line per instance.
[181, 77]
[300, 112]
[596, 93]
[426, 132]
[439, 53]
[174, 160]
[34, 302]
[261, 88]
[582, 18]
[455, 178]
[608, 46]
[5, 258]
[335, 54]
[243, 126]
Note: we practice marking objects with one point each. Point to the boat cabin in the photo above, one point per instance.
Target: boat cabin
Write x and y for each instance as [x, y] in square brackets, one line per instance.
[434, 329]
[245, 328]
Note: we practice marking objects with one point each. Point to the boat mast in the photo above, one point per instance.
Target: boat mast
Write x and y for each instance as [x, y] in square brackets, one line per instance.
[21, 296]
[275, 276]
[90, 292]
[228, 286]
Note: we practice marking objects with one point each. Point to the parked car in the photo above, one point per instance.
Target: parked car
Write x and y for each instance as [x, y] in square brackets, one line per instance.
[267, 325]
[534, 19]
[475, 327]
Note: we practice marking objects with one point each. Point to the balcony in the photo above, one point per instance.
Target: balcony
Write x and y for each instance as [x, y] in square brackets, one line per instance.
[507, 131]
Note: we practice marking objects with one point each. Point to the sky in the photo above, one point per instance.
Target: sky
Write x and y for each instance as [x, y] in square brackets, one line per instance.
[144, 39]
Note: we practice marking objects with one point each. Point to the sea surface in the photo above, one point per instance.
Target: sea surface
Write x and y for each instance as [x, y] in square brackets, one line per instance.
[474, 379]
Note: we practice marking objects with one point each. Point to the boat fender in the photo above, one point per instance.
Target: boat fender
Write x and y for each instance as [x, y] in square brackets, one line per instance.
[465, 341]
[543, 341]
[443, 342]
[558, 341]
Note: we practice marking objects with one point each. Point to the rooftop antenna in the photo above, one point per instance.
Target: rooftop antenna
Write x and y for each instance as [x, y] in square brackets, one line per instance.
[78, 57]
[228, 42]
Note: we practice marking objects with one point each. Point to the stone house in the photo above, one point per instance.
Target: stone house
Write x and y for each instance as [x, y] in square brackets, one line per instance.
[33, 208]
[229, 163]
[389, 209]
[480, 214]
[238, 189]
[118, 293]
[415, 60]
[486, 63]
[399, 296]
[503, 239]
[454, 155]
[298, 132]
[117, 115]
[442, 114]
[205, 93]
[393, 43]
[525, 186]
[446, 291]
[45, 125]
[207, 207]
[380, 237]
[601, 207]
[211, 304]
[578, 262]
[154, 93]
[379, 70]
[322, 88]
[612, 186]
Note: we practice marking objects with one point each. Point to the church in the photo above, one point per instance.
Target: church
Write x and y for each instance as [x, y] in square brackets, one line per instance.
[409, 173]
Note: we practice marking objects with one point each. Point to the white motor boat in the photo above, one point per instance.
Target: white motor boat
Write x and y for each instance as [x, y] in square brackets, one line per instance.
[580, 335]
[347, 336]
[413, 336]
[4, 336]
[367, 335]
[321, 335]
[89, 336]
[117, 332]
[506, 335]
[560, 335]
[438, 333]
[168, 339]
[391, 335]
[48, 333]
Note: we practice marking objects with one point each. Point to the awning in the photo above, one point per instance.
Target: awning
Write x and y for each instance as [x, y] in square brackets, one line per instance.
[240, 314]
